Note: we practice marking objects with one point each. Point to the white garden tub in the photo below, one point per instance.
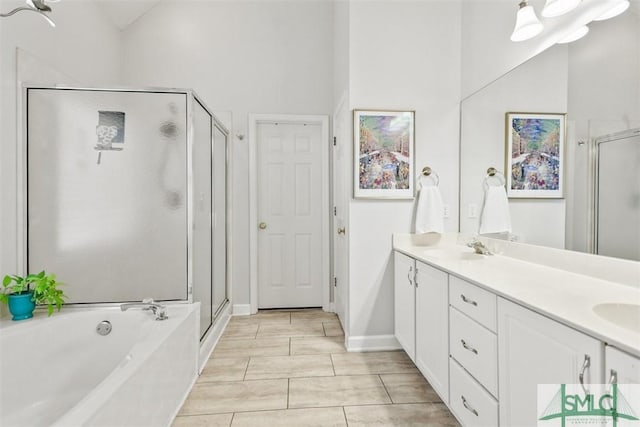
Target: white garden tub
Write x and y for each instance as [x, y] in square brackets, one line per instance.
[59, 371]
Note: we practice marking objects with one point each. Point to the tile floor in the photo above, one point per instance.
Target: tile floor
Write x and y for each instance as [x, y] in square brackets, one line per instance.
[290, 368]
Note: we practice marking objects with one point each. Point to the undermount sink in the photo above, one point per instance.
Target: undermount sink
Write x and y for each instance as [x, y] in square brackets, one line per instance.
[452, 254]
[624, 315]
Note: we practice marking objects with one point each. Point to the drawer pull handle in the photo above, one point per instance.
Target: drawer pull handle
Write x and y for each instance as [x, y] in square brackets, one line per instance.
[468, 301]
[469, 408]
[585, 366]
[409, 276]
[468, 347]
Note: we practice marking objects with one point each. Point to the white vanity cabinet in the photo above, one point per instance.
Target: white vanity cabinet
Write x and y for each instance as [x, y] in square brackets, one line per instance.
[422, 319]
[486, 341]
[532, 350]
[405, 303]
[621, 367]
[432, 327]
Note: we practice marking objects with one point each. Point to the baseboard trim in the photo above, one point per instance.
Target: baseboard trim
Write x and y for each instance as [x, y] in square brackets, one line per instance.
[241, 309]
[372, 343]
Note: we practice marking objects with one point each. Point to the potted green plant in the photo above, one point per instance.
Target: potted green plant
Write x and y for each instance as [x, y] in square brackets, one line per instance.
[23, 293]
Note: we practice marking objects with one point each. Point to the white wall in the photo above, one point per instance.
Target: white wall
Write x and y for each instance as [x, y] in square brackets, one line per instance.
[84, 48]
[539, 85]
[341, 51]
[242, 57]
[403, 55]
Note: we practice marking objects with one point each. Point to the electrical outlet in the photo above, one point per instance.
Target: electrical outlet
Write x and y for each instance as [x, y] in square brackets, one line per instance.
[473, 210]
[445, 211]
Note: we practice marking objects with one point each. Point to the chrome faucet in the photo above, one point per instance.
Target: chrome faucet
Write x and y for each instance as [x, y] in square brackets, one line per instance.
[147, 304]
[479, 247]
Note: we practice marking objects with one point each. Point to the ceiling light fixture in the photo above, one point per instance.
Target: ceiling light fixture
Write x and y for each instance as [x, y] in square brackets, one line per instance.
[527, 23]
[579, 33]
[36, 6]
[615, 10]
[553, 8]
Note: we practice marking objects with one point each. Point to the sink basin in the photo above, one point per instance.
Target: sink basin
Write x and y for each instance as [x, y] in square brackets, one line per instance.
[452, 254]
[624, 315]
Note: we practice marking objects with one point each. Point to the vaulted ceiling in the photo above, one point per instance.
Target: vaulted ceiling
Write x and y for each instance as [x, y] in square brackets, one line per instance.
[125, 12]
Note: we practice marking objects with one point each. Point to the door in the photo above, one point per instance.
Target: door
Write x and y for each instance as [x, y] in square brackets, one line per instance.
[432, 326]
[289, 163]
[532, 350]
[219, 260]
[106, 173]
[404, 303]
[202, 207]
[341, 168]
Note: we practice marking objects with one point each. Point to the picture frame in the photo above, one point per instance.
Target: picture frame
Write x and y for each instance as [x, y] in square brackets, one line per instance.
[383, 154]
[535, 146]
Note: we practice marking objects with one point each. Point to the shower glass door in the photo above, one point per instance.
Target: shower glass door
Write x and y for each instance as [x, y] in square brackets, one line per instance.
[203, 266]
[220, 218]
[106, 185]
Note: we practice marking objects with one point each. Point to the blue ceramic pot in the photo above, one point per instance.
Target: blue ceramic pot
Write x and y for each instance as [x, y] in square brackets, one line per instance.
[21, 305]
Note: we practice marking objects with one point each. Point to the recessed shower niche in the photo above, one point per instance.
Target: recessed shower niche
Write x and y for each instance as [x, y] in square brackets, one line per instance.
[121, 189]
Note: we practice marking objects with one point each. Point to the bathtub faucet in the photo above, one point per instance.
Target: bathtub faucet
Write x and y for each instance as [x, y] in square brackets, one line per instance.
[147, 304]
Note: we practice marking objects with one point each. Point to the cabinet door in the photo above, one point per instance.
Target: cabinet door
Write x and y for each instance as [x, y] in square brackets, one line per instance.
[432, 327]
[405, 320]
[621, 367]
[532, 350]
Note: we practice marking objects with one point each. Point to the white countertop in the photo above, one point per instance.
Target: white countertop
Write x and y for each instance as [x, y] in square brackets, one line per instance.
[562, 295]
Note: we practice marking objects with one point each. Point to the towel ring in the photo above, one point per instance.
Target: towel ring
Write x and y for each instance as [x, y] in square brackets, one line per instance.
[493, 173]
[430, 173]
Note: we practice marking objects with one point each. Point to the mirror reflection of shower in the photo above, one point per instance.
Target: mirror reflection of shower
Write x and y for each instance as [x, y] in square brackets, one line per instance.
[169, 131]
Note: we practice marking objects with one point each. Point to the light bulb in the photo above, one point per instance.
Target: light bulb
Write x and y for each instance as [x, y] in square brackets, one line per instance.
[615, 10]
[527, 23]
[553, 8]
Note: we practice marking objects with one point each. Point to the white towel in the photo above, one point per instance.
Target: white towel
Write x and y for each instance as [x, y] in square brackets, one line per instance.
[495, 216]
[429, 212]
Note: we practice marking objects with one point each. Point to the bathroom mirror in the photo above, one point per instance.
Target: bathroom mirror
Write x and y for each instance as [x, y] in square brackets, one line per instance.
[596, 82]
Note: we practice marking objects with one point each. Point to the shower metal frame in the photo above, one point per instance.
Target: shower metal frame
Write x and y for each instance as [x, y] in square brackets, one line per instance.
[191, 97]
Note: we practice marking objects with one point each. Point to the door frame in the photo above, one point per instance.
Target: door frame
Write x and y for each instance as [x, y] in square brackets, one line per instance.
[254, 121]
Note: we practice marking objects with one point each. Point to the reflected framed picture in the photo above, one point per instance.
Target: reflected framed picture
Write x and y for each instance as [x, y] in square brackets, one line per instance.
[383, 154]
[535, 155]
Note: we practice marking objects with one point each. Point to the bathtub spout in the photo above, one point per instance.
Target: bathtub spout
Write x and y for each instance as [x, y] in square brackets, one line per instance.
[157, 309]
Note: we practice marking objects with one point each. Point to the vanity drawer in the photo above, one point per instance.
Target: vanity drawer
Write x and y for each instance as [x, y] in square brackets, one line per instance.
[469, 401]
[475, 348]
[473, 301]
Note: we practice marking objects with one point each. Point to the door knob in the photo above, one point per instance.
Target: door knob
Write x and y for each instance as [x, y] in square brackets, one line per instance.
[341, 230]
[262, 225]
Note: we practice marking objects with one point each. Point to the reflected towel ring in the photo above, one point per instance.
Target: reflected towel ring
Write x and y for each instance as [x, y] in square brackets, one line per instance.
[430, 173]
[493, 173]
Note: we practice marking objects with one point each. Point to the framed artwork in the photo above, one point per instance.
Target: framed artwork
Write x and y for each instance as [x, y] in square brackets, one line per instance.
[383, 154]
[535, 155]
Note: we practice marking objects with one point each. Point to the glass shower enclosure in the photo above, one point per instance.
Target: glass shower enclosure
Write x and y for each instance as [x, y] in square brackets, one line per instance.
[125, 195]
[617, 195]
